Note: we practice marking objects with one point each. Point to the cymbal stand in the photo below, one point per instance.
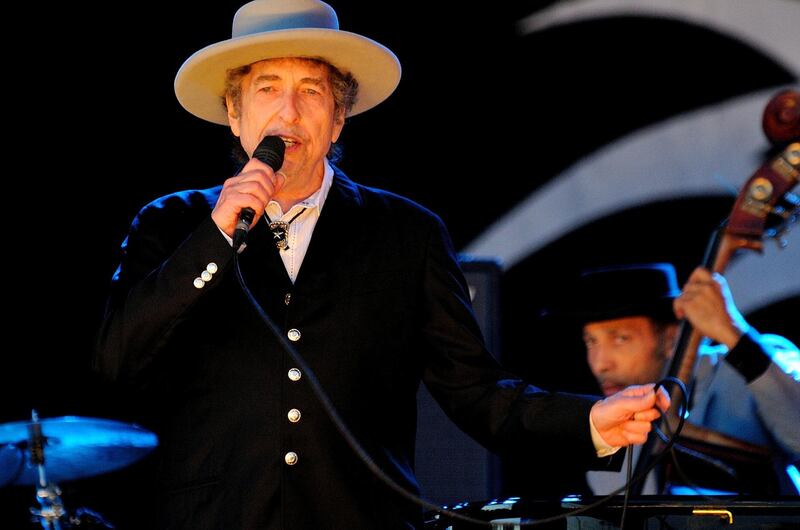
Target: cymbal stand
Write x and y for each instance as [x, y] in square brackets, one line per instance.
[51, 509]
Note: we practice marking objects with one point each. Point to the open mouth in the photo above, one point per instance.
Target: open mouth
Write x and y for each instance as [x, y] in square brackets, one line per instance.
[290, 142]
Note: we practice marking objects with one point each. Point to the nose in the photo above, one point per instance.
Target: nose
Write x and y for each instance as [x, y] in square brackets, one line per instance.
[288, 112]
[599, 359]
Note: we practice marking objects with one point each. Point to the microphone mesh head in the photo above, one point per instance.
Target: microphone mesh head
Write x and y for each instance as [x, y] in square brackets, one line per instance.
[270, 151]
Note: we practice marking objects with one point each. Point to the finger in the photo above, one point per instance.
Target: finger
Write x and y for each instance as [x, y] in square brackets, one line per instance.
[281, 175]
[647, 415]
[256, 175]
[255, 163]
[702, 289]
[278, 178]
[700, 274]
[235, 203]
[693, 291]
[228, 209]
[663, 400]
[261, 190]
[700, 277]
[637, 427]
[638, 397]
[677, 308]
[635, 438]
[638, 390]
[630, 405]
[255, 193]
[231, 204]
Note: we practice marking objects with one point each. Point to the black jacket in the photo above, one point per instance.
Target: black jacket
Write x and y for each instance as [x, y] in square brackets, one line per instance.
[379, 303]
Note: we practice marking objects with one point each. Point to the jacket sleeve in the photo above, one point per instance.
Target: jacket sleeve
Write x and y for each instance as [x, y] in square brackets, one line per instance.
[496, 408]
[770, 365]
[154, 288]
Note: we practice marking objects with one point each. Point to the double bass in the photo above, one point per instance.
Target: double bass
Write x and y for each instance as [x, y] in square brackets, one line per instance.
[763, 209]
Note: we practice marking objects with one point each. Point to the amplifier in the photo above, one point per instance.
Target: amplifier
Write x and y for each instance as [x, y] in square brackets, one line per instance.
[451, 467]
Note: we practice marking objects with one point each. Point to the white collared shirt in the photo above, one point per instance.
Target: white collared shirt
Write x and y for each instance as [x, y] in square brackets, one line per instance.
[300, 230]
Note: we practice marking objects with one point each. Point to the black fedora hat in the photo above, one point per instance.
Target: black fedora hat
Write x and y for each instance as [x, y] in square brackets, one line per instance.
[607, 293]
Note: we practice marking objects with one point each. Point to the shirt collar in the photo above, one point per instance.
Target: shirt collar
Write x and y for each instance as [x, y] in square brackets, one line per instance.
[314, 201]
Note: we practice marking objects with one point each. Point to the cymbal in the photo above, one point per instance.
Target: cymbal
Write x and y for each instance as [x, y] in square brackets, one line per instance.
[75, 447]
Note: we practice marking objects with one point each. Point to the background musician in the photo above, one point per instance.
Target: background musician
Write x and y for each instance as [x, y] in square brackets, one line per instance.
[746, 385]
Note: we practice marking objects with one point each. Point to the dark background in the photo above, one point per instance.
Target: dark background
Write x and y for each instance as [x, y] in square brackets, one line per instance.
[482, 117]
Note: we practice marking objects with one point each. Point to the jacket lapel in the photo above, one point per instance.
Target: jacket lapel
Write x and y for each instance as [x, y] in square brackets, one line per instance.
[263, 268]
[332, 245]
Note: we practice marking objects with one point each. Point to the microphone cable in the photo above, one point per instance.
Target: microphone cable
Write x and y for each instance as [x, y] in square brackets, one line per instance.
[333, 414]
[630, 481]
[354, 444]
[717, 464]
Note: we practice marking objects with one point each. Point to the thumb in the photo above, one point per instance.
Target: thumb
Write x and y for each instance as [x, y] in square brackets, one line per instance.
[280, 180]
[636, 398]
[634, 391]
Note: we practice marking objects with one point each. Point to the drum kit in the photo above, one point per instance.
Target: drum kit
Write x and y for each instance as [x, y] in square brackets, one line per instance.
[44, 452]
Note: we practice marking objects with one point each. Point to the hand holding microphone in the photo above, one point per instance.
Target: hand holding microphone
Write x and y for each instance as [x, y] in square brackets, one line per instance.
[250, 191]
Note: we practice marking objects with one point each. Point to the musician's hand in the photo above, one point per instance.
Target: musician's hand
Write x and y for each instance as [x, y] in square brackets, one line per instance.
[706, 302]
[624, 418]
[252, 188]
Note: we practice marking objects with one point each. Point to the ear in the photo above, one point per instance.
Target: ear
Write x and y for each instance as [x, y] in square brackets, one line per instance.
[233, 116]
[338, 125]
[670, 336]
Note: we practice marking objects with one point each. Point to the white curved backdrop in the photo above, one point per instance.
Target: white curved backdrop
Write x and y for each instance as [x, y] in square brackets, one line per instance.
[712, 151]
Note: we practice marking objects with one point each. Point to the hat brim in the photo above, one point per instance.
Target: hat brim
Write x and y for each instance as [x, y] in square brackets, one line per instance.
[200, 82]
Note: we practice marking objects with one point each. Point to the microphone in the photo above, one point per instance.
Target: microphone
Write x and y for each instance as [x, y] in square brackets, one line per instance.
[270, 151]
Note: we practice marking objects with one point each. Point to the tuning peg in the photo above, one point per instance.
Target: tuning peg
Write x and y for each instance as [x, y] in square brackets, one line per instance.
[781, 235]
[787, 208]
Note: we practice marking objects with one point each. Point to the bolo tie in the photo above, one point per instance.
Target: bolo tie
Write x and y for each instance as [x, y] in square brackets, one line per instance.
[280, 230]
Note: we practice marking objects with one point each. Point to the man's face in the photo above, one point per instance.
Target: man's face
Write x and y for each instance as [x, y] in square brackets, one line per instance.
[626, 351]
[293, 99]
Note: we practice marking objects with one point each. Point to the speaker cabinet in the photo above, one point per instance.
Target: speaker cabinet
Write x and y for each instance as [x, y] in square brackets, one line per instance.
[451, 467]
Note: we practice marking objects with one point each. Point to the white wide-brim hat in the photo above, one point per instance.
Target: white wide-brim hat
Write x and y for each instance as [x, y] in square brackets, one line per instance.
[269, 29]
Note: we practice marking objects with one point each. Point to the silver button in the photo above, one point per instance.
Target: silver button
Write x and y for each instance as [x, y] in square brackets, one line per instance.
[293, 415]
[199, 283]
[206, 276]
[294, 335]
[294, 374]
[287, 298]
[290, 458]
[212, 268]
